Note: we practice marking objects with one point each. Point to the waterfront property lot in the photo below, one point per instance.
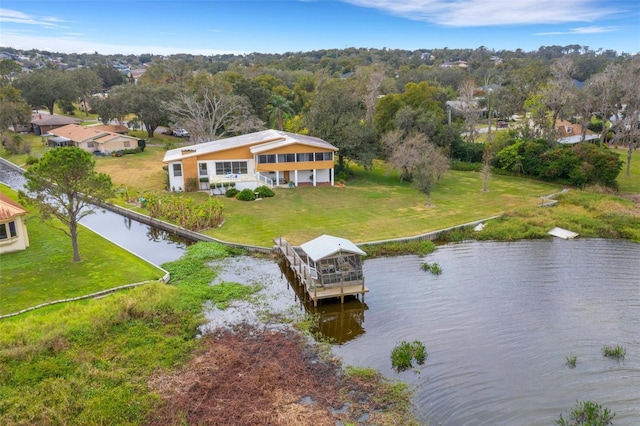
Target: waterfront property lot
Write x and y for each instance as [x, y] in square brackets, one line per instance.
[45, 271]
[374, 206]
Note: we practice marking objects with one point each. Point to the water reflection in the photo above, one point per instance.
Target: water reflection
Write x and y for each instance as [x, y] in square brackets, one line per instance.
[339, 322]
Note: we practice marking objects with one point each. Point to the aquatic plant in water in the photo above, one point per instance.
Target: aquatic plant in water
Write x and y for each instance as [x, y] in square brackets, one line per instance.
[614, 351]
[405, 353]
[587, 413]
[434, 268]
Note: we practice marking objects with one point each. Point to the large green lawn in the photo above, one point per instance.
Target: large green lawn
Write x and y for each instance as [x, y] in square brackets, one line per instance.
[374, 206]
[46, 272]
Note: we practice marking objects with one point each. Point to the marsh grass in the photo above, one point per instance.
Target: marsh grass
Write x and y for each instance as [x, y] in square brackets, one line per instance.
[617, 351]
[591, 213]
[88, 362]
[418, 247]
[571, 360]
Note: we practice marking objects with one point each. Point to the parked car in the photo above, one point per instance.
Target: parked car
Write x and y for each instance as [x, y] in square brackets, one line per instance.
[181, 133]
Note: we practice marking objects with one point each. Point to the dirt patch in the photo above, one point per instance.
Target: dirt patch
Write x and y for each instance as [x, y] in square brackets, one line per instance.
[248, 376]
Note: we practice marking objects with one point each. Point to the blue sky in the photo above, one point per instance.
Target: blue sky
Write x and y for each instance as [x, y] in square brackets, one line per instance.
[270, 26]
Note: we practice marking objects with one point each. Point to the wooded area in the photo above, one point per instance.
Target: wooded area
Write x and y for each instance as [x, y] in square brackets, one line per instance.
[410, 108]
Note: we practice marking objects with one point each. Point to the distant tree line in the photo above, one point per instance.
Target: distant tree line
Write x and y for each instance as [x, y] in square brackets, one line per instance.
[387, 104]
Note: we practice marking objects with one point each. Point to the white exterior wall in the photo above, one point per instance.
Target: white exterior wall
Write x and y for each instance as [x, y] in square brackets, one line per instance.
[20, 241]
[176, 182]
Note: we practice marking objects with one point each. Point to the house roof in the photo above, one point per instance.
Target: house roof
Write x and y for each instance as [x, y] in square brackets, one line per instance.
[112, 128]
[269, 139]
[9, 208]
[78, 133]
[52, 120]
[327, 245]
[291, 139]
[577, 138]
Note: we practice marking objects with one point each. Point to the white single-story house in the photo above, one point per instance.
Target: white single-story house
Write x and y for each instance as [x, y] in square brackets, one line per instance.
[92, 139]
[270, 157]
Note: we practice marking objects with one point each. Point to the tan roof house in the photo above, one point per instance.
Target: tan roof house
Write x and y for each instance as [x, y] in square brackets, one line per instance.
[270, 157]
[13, 230]
[93, 138]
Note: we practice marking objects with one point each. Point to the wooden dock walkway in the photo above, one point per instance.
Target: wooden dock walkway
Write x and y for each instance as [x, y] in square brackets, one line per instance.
[317, 284]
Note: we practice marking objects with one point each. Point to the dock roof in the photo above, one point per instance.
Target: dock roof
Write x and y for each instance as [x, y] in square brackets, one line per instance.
[327, 245]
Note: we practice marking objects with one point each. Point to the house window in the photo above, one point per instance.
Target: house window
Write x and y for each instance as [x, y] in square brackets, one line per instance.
[266, 158]
[306, 156]
[569, 130]
[90, 145]
[8, 230]
[177, 170]
[324, 156]
[226, 167]
[127, 144]
[202, 169]
[286, 158]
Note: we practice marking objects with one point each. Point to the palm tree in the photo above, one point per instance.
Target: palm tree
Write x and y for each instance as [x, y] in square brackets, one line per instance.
[279, 108]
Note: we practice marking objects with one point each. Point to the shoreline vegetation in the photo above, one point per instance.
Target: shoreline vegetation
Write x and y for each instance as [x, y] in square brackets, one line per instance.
[122, 358]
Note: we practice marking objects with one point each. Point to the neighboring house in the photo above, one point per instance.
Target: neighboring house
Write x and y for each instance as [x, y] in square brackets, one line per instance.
[569, 133]
[269, 157]
[13, 230]
[93, 138]
[41, 124]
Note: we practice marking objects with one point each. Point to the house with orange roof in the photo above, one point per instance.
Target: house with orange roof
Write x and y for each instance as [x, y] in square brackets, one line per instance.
[92, 139]
[13, 229]
[270, 157]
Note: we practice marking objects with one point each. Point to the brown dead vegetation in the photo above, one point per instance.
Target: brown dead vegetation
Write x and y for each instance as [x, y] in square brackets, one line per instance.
[267, 377]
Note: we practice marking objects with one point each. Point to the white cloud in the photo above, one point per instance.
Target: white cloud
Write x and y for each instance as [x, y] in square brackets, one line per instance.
[581, 30]
[73, 44]
[477, 13]
[16, 17]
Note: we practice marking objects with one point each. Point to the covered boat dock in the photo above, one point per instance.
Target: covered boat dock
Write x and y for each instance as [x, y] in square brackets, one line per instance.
[327, 267]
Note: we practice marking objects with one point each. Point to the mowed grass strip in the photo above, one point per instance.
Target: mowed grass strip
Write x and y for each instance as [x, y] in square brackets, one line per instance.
[629, 184]
[45, 271]
[142, 171]
[374, 206]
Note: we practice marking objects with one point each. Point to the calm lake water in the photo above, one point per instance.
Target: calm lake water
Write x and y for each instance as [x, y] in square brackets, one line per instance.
[498, 325]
